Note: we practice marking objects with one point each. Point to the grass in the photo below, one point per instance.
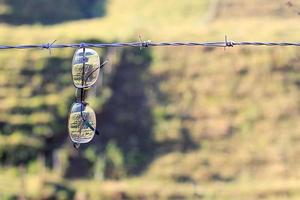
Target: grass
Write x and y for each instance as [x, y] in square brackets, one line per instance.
[153, 188]
[241, 104]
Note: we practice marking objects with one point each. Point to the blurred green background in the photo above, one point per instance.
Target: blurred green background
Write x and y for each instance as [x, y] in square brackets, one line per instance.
[175, 123]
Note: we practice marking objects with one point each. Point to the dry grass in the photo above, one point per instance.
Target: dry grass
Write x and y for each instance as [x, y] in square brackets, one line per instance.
[242, 104]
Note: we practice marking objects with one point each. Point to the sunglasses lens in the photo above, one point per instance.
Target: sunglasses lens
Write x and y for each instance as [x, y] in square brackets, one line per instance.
[85, 67]
[82, 123]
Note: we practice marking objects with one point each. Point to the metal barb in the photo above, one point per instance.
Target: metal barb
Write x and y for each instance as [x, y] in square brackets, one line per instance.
[228, 43]
[144, 44]
[48, 46]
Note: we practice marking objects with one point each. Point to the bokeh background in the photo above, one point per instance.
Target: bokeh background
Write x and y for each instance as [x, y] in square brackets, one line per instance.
[175, 123]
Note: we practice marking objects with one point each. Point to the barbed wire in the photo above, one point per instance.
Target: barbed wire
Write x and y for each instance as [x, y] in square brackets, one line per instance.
[148, 43]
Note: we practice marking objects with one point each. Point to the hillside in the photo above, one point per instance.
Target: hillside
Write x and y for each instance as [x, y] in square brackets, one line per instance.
[256, 8]
[176, 123]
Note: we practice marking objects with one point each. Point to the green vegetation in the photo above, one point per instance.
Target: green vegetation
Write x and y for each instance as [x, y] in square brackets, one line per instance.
[49, 12]
[175, 123]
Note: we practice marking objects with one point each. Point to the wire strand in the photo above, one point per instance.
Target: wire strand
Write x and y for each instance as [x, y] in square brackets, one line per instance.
[148, 43]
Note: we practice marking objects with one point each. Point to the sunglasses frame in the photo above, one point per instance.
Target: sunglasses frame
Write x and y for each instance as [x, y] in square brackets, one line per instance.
[83, 91]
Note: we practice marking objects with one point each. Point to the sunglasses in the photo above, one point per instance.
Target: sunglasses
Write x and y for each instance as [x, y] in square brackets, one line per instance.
[82, 119]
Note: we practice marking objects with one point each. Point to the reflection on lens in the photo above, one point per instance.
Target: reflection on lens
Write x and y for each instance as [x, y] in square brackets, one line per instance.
[84, 77]
[82, 123]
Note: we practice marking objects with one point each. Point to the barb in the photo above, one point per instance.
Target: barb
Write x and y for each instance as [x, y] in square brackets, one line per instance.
[148, 43]
[49, 46]
[143, 44]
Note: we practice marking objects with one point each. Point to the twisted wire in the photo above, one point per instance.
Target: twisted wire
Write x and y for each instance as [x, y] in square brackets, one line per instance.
[145, 44]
